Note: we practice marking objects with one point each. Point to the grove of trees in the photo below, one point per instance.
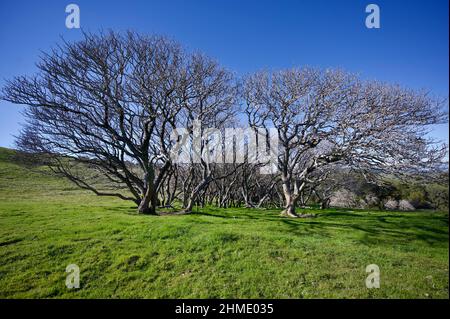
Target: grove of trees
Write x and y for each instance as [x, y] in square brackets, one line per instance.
[112, 103]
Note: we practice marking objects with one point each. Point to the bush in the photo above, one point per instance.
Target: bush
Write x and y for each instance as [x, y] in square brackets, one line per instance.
[405, 205]
[391, 204]
[344, 198]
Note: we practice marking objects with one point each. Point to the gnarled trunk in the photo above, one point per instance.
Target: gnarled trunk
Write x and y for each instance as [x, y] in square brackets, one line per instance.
[289, 211]
[194, 194]
[147, 205]
[290, 201]
[325, 204]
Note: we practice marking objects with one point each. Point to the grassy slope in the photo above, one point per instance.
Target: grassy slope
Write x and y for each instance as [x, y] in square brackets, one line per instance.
[46, 224]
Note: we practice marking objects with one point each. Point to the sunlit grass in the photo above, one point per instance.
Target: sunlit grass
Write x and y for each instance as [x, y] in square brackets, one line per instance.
[46, 224]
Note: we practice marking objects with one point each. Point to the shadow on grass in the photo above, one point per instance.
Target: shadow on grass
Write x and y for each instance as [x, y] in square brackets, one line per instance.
[372, 231]
[366, 227]
[128, 210]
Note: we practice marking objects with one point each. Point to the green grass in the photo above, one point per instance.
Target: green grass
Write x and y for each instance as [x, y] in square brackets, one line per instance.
[46, 224]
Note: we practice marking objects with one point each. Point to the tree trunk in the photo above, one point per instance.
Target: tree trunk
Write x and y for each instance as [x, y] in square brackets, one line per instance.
[289, 211]
[290, 202]
[324, 204]
[245, 196]
[189, 206]
[194, 194]
[148, 202]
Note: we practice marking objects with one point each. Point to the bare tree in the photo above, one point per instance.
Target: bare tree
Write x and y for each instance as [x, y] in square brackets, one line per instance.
[109, 103]
[106, 108]
[209, 106]
[325, 117]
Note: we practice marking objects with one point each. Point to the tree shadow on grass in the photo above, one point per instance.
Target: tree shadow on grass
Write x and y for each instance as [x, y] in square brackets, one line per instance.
[365, 227]
[373, 231]
[128, 210]
[132, 210]
[240, 216]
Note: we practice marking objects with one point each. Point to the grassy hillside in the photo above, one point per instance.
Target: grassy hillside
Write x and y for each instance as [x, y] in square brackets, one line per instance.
[46, 224]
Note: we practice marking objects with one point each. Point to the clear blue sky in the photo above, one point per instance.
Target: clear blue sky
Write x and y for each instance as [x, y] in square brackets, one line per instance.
[410, 48]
